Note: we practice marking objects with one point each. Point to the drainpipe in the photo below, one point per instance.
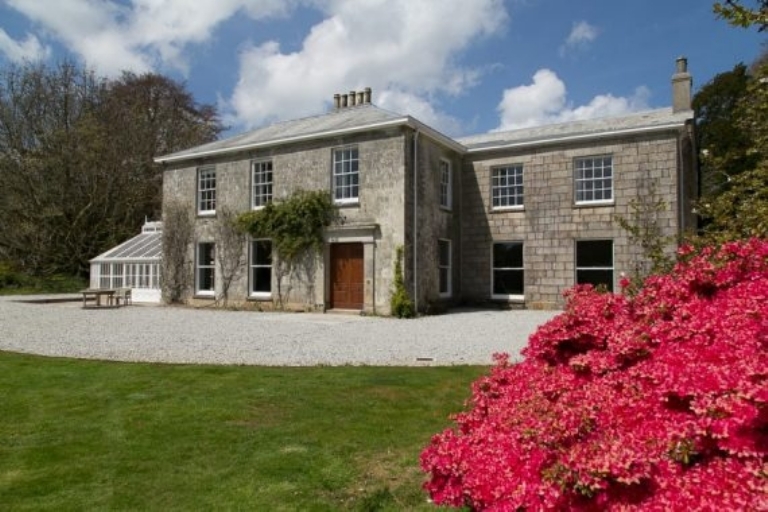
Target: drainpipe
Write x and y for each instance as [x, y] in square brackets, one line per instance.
[416, 220]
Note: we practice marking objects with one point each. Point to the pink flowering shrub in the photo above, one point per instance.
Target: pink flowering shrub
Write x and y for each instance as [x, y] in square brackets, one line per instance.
[657, 401]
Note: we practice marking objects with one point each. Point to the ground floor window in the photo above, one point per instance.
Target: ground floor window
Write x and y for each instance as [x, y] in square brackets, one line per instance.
[205, 274]
[261, 268]
[594, 263]
[444, 266]
[508, 271]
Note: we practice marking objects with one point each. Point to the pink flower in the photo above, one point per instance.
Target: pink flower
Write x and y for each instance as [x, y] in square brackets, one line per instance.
[657, 401]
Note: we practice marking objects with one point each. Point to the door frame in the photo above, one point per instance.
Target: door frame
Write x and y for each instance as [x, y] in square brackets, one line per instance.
[367, 234]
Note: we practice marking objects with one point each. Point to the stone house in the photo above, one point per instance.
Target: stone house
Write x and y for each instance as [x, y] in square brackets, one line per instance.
[506, 217]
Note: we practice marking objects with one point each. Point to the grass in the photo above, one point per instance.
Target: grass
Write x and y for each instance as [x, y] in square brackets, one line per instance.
[86, 435]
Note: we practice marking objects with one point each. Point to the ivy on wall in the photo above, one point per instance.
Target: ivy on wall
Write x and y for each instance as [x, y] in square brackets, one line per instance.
[296, 228]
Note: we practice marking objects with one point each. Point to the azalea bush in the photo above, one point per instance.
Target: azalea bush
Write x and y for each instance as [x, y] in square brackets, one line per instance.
[653, 401]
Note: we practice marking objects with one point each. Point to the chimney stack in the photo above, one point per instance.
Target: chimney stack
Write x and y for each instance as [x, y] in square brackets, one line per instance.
[681, 86]
[352, 98]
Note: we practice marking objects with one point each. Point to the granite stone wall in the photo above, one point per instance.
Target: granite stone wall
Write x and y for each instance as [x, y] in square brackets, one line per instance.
[551, 222]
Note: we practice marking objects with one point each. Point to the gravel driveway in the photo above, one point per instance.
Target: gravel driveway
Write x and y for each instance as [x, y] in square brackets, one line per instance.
[185, 335]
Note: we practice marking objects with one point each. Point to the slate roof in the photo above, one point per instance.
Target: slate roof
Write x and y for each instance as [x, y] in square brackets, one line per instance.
[344, 120]
[652, 120]
[368, 116]
[146, 246]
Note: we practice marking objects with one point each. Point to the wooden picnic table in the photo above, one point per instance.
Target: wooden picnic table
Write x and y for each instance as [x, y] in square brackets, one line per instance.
[96, 294]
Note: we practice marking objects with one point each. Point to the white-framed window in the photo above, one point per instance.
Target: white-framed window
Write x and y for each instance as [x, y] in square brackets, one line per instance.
[105, 276]
[206, 191]
[205, 271]
[446, 185]
[444, 267]
[346, 175]
[110, 275]
[507, 187]
[594, 263]
[593, 179]
[508, 279]
[260, 276]
[261, 183]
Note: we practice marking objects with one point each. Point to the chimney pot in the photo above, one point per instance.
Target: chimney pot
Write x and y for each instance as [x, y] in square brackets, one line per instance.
[367, 95]
[343, 100]
[352, 98]
[337, 101]
[360, 97]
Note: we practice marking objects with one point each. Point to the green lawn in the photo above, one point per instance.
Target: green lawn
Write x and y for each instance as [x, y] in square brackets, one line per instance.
[83, 435]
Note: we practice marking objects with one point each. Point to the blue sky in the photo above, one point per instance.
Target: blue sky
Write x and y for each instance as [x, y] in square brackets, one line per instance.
[462, 66]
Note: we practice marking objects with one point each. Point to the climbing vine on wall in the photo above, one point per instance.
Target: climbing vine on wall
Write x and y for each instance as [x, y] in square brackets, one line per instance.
[296, 228]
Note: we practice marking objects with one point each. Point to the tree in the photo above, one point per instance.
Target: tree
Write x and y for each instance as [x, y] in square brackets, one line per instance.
[737, 14]
[739, 208]
[723, 144]
[76, 159]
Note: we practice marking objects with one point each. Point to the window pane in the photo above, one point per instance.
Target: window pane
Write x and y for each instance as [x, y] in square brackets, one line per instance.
[508, 254]
[508, 282]
[262, 280]
[594, 253]
[596, 278]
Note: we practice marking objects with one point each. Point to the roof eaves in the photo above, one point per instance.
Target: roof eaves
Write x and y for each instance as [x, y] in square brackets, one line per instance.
[608, 133]
[286, 140]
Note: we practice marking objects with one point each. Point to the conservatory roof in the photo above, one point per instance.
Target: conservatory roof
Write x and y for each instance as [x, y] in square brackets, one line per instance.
[147, 246]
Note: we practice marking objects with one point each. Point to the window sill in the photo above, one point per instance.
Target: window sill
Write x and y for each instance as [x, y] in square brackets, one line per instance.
[260, 297]
[446, 209]
[508, 298]
[207, 213]
[204, 295]
[507, 209]
[595, 204]
[347, 203]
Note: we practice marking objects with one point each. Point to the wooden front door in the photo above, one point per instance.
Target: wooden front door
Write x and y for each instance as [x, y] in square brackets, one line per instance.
[347, 276]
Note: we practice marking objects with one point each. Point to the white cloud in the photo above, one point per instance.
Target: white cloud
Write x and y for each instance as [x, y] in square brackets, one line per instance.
[30, 49]
[582, 34]
[405, 50]
[420, 108]
[545, 102]
[142, 35]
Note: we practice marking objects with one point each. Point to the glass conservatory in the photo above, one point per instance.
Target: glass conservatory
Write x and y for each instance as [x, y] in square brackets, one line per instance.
[133, 264]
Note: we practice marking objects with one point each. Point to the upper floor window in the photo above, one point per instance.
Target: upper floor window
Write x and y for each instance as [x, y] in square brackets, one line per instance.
[593, 177]
[507, 187]
[346, 175]
[446, 188]
[206, 191]
[261, 183]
